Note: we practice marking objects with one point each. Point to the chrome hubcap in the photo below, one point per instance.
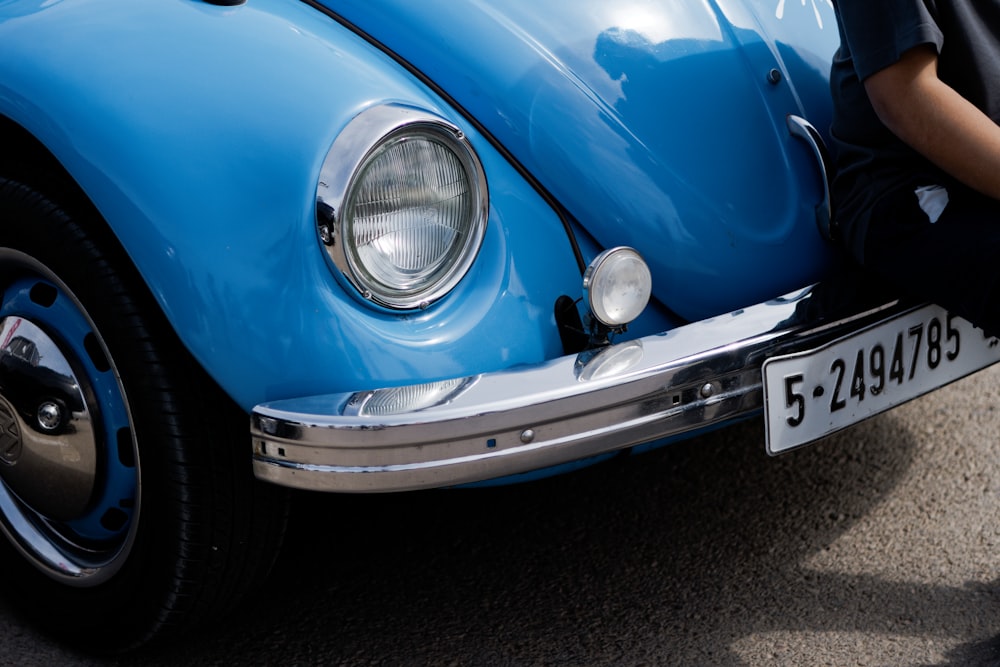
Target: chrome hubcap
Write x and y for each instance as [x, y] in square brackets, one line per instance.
[69, 481]
[50, 463]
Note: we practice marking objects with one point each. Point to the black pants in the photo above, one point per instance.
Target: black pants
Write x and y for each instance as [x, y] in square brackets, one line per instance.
[954, 262]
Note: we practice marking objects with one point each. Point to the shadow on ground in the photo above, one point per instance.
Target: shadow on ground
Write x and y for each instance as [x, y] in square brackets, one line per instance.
[672, 557]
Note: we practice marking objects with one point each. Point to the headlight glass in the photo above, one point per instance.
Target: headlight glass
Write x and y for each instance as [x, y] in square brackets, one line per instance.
[406, 223]
[618, 285]
[412, 215]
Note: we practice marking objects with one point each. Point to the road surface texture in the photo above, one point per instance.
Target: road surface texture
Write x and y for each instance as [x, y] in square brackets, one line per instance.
[878, 546]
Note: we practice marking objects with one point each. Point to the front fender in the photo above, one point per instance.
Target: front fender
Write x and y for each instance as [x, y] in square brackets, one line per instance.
[199, 131]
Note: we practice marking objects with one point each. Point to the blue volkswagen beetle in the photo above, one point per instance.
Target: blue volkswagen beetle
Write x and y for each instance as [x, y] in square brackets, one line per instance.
[381, 245]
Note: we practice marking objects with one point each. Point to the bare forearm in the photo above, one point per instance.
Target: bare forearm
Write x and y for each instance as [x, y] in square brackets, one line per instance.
[939, 123]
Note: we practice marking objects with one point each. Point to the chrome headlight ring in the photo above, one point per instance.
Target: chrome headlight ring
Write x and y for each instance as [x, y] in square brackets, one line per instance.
[402, 204]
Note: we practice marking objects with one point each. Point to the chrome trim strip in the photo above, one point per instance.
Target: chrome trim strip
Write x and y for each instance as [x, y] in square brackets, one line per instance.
[527, 418]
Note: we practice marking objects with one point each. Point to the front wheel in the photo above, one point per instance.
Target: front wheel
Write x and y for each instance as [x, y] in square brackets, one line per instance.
[126, 493]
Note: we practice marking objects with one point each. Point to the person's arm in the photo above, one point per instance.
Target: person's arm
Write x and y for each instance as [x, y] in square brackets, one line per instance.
[937, 121]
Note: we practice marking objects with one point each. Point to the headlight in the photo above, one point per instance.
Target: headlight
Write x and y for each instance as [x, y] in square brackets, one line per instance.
[617, 285]
[402, 205]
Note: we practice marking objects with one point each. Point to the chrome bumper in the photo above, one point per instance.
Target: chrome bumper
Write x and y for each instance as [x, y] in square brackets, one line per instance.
[531, 417]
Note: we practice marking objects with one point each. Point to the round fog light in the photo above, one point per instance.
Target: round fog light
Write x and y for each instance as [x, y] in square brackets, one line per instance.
[617, 285]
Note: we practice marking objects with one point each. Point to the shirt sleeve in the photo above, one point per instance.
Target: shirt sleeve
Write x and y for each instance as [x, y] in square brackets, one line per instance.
[879, 32]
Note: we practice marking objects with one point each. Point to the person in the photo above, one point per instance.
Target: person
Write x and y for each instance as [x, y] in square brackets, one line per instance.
[916, 144]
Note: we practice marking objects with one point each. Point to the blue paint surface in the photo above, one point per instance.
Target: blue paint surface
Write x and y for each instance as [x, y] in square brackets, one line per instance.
[654, 123]
[198, 131]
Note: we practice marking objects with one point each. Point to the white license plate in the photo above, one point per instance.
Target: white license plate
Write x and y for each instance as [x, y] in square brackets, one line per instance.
[809, 395]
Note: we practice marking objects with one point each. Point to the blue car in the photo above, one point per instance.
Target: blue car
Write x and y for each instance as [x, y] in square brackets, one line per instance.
[248, 246]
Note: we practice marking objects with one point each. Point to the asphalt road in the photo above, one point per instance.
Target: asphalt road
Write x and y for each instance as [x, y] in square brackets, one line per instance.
[878, 546]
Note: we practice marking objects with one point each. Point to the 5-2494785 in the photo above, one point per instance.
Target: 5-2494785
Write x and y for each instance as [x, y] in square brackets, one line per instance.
[813, 394]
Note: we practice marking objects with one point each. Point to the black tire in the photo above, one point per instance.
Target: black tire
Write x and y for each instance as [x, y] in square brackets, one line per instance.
[168, 529]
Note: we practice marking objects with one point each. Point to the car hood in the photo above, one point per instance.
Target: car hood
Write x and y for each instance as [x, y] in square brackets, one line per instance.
[656, 125]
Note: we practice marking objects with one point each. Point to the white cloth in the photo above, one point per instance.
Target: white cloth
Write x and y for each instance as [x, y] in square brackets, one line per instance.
[933, 200]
